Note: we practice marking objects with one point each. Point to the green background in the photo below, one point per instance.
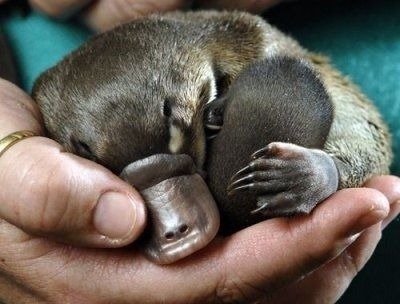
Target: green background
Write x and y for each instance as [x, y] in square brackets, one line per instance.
[361, 37]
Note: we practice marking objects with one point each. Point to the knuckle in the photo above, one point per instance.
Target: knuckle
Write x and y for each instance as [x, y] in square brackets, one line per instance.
[48, 7]
[232, 287]
[352, 259]
[54, 208]
[126, 9]
[48, 195]
[132, 8]
[236, 290]
[229, 291]
[349, 265]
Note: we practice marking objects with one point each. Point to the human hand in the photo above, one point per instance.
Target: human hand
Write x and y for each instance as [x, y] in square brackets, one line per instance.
[260, 261]
[102, 15]
[47, 192]
[329, 282]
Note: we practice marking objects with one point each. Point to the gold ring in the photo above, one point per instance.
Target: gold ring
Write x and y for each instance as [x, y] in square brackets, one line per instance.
[13, 138]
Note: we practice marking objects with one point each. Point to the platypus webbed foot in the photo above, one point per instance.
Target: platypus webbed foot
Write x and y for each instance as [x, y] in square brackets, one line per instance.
[183, 216]
[287, 179]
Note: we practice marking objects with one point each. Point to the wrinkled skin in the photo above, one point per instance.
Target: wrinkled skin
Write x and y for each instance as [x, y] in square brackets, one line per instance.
[235, 269]
[184, 217]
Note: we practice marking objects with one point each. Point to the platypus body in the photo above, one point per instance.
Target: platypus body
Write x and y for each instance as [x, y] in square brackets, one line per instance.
[273, 102]
[142, 89]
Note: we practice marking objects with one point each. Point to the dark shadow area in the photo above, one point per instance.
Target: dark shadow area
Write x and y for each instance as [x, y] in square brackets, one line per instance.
[7, 66]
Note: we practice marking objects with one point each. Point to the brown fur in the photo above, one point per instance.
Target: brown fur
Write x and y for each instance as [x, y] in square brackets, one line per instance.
[107, 100]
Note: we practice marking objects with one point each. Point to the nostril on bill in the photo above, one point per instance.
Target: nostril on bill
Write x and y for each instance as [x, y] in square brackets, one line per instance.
[180, 231]
[185, 218]
[183, 228]
[169, 235]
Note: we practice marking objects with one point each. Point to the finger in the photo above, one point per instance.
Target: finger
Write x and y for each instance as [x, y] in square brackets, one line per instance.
[60, 8]
[15, 104]
[394, 213]
[250, 6]
[48, 192]
[103, 14]
[248, 265]
[286, 249]
[328, 283]
[262, 258]
[390, 187]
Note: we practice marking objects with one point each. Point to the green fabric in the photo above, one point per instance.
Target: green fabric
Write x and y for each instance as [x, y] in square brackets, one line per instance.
[39, 42]
[363, 39]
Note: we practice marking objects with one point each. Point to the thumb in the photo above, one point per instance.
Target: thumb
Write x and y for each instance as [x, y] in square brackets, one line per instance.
[48, 192]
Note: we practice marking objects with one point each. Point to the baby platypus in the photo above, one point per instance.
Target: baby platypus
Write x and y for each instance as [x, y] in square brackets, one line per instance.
[142, 88]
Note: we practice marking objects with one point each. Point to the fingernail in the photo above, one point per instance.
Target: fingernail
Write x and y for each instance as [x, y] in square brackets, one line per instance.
[115, 215]
[368, 220]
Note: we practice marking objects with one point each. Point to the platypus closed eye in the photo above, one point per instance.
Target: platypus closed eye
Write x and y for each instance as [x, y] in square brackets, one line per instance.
[81, 148]
[167, 111]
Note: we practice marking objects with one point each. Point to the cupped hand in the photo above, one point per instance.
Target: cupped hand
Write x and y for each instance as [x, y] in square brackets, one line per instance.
[102, 15]
[54, 195]
[48, 192]
[330, 281]
[314, 257]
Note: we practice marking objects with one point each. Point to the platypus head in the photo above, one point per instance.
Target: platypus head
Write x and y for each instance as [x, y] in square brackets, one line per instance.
[128, 94]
